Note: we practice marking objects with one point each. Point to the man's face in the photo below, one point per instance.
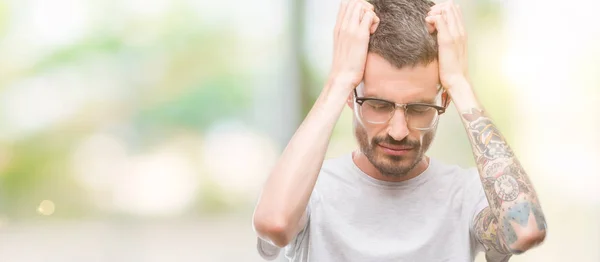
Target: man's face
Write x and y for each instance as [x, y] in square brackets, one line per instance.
[392, 147]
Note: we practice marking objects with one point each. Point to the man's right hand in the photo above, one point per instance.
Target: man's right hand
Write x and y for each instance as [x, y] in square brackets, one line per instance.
[356, 21]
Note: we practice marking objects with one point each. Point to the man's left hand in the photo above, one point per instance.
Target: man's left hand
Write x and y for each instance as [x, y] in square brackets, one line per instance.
[446, 18]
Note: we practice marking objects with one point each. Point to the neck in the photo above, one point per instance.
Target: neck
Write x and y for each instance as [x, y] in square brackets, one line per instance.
[363, 163]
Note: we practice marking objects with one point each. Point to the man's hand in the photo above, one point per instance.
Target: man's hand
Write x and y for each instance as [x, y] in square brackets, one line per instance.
[356, 20]
[446, 18]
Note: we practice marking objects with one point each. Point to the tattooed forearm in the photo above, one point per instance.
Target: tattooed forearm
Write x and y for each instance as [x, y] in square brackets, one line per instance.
[485, 137]
[513, 203]
[486, 231]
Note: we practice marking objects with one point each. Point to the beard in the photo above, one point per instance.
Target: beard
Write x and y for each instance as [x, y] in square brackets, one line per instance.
[392, 165]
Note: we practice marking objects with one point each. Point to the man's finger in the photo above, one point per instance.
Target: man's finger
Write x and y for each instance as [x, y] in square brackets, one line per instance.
[346, 21]
[375, 24]
[459, 19]
[430, 25]
[437, 9]
[367, 21]
[340, 18]
[449, 15]
[442, 29]
[435, 12]
[367, 5]
[356, 12]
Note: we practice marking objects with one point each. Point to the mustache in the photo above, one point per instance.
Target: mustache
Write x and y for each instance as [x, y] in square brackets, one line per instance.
[391, 141]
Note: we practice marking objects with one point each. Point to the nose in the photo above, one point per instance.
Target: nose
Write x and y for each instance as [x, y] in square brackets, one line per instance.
[398, 126]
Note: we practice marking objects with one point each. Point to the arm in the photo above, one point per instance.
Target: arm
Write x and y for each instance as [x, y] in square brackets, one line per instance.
[513, 222]
[280, 213]
[514, 215]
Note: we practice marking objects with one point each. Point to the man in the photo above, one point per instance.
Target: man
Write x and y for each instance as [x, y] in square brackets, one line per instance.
[388, 201]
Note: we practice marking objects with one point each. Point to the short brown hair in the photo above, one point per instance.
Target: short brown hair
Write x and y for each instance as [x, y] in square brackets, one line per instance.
[402, 37]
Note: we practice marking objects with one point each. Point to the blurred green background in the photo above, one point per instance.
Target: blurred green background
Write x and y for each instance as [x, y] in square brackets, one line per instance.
[143, 130]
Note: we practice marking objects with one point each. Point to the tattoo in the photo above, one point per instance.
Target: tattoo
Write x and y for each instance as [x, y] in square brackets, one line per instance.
[540, 220]
[487, 233]
[492, 256]
[513, 205]
[517, 217]
[489, 186]
[506, 187]
[491, 170]
[486, 138]
[520, 176]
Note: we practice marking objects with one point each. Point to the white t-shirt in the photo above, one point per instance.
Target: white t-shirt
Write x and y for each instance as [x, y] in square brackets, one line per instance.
[354, 217]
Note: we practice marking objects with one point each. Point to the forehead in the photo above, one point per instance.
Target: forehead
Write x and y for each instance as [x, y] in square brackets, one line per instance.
[401, 85]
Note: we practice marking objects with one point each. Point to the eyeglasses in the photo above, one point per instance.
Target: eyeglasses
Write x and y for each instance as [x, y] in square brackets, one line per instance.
[421, 116]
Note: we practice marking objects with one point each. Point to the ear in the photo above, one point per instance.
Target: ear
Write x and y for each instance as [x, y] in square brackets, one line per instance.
[350, 101]
[446, 99]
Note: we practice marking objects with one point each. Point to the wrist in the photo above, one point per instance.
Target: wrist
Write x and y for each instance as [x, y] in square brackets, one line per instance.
[342, 81]
[457, 83]
[463, 96]
[334, 96]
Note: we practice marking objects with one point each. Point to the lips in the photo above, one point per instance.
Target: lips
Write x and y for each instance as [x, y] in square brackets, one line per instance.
[396, 147]
[395, 150]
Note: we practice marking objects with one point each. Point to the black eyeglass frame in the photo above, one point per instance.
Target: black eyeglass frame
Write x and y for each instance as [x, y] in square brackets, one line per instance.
[440, 109]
